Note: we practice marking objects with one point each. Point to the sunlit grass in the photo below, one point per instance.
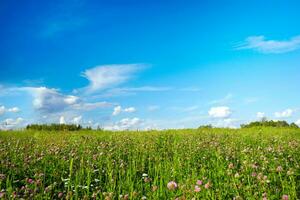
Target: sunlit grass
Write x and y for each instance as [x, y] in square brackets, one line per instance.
[203, 164]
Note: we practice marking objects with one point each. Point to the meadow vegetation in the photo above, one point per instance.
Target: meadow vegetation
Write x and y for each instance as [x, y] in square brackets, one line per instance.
[206, 163]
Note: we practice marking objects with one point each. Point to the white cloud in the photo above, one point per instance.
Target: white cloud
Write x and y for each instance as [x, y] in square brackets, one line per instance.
[298, 122]
[70, 99]
[227, 123]
[62, 120]
[77, 120]
[14, 110]
[2, 110]
[284, 114]
[118, 110]
[107, 76]
[129, 110]
[50, 100]
[260, 115]
[260, 44]
[220, 112]
[126, 124]
[10, 123]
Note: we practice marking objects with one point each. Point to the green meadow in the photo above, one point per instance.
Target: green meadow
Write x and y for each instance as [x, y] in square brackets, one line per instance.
[208, 163]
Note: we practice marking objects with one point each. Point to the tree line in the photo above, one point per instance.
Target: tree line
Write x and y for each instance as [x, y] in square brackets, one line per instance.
[269, 123]
[56, 127]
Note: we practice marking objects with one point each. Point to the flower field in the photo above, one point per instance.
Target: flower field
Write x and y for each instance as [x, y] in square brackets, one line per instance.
[173, 164]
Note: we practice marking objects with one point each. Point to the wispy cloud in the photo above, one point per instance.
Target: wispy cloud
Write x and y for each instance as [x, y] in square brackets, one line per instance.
[223, 100]
[66, 16]
[284, 114]
[108, 76]
[262, 45]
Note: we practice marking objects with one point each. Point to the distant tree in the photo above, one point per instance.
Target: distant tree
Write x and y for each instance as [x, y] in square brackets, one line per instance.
[206, 126]
[56, 127]
[271, 123]
[293, 125]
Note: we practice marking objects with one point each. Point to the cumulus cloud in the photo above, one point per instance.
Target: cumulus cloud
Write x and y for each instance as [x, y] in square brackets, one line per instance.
[284, 114]
[50, 100]
[227, 123]
[129, 109]
[107, 76]
[118, 110]
[220, 112]
[298, 122]
[3, 109]
[62, 120]
[261, 44]
[126, 124]
[10, 123]
[77, 120]
[260, 115]
[14, 109]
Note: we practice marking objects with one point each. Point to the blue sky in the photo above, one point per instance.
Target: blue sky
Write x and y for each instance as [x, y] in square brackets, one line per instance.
[149, 64]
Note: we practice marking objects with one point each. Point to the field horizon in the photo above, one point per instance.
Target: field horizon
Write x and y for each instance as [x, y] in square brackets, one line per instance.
[205, 163]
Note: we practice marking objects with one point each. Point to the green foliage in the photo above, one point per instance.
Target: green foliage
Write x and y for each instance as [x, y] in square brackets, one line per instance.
[205, 126]
[271, 123]
[231, 164]
[56, 127]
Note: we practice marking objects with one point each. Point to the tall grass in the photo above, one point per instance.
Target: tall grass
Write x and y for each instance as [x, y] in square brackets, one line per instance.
[204, 164]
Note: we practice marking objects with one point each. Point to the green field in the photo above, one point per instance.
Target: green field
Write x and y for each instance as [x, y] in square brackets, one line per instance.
[204, 164]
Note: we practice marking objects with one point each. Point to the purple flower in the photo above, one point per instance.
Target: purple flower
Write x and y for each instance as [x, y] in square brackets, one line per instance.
[285, 197]
[199, 182]
[197, 188]
[172, 185]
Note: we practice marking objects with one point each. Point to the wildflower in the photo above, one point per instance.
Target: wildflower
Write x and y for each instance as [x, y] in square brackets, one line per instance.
[231, 166]
[197, 188]
[126, 197]
[279, 169]
[60, 195]
[199, 182]
[236, 175]
[30, 181]
[207, 185]
[237, 198]
[2, 194]
[253, 174]
[285, 197]
[145, 175]
[290, 172]
[154, 188]
[172, 185]
[144, 198]
[2, 177]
